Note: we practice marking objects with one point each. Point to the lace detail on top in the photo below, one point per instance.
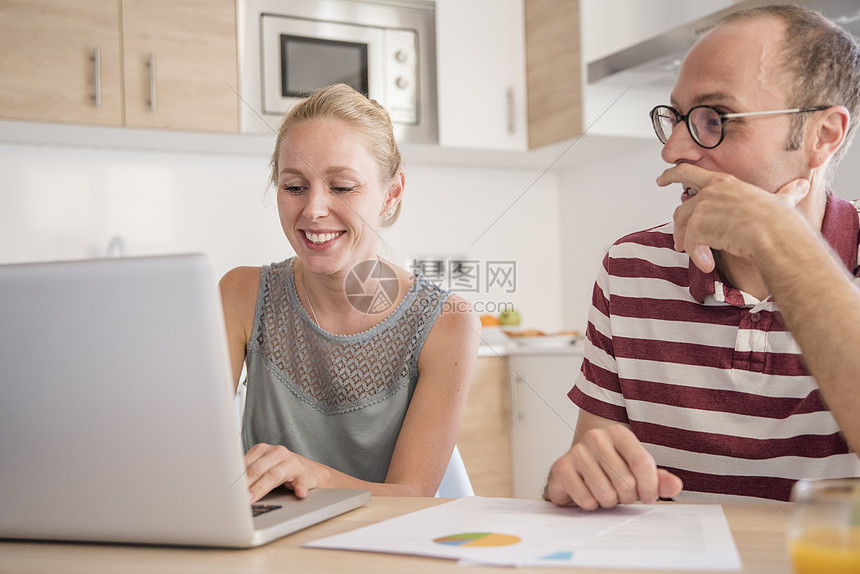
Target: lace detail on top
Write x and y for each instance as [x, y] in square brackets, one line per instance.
[340, 373]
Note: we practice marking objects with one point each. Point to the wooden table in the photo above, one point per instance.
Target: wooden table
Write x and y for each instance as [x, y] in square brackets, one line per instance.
[758, 529]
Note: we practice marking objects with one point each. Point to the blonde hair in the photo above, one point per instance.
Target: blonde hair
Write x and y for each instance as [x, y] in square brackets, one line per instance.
[365, 116]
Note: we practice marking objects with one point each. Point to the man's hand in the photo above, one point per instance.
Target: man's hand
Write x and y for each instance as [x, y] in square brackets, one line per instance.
[605, 467]
[725, 213]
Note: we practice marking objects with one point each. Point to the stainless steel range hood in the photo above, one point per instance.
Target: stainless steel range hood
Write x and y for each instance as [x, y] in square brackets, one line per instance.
[656, 61]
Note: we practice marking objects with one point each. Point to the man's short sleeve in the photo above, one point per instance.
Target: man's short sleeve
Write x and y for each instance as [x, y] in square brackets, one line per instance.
[597, 388]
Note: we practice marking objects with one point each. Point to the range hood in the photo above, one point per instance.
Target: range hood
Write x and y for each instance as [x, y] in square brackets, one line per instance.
[656, 61]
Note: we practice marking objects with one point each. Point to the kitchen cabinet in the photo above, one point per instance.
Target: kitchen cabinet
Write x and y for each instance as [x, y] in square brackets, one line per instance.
[485, 434]
[192, 44]
[139, 63]
[508, 73]
[518, 419]
[480, 59]
[543, 417]
[554, 71]
[60, 61]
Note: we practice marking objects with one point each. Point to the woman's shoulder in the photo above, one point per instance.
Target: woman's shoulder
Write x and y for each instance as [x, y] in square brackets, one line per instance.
[455, 332]
[456, 315]
[459, 313]
[240, 278]
[247, 279]
[239, 287]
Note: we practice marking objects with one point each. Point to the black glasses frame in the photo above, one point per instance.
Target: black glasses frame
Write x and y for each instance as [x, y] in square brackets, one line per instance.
[724, 118]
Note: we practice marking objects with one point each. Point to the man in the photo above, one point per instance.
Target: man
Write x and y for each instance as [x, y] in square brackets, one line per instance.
[693, 376]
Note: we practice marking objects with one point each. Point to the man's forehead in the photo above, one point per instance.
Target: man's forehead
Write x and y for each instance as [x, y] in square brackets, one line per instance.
[735, 65]
[708, 98]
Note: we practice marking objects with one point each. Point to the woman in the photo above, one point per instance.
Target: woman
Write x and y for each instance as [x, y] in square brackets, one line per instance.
[358, 371]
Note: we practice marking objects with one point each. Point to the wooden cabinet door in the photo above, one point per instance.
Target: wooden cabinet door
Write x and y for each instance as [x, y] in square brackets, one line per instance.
[48, 64]
[181, 64]
[485, 435]
[553, 65]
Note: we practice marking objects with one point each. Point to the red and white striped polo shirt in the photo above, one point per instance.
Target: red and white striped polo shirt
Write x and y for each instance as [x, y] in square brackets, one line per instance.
[707, 376]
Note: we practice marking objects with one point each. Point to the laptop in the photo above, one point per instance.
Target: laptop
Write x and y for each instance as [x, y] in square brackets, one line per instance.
[116, 410]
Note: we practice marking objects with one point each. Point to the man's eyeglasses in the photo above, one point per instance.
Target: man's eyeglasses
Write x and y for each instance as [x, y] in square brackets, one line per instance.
[706, 125]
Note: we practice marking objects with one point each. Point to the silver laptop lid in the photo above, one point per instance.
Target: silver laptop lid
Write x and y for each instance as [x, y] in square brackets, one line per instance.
[116, 419]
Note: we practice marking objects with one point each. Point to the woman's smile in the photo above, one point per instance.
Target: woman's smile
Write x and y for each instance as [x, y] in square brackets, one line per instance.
[320, 238]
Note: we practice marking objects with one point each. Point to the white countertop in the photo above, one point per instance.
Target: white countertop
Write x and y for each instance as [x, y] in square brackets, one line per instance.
[509, 348]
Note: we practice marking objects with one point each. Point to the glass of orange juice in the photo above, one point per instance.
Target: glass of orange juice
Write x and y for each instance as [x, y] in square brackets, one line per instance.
[824, 532]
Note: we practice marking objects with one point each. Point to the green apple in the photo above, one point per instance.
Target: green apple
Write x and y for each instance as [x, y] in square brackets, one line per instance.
[509, 317]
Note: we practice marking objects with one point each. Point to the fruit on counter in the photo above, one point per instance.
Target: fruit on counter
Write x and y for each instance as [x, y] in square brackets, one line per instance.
[526, 333]
[510, 317]
[539, 333]
[489, 321]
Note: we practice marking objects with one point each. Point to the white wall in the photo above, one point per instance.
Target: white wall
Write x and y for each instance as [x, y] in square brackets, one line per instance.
[601, 201]
[490, 214]
[67, 203]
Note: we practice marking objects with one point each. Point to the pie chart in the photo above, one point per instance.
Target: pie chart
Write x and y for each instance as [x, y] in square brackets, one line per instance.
[473, 539]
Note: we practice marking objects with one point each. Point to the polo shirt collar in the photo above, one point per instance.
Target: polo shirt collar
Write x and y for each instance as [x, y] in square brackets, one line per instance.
[840, 228]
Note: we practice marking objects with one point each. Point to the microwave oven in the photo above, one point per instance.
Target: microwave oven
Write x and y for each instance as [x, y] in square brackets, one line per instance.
[384, 49]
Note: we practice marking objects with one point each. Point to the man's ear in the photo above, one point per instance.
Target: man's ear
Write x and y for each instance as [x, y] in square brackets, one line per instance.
[828, 133]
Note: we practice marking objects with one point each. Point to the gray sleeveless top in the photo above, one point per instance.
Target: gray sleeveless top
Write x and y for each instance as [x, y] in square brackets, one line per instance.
[336, 399]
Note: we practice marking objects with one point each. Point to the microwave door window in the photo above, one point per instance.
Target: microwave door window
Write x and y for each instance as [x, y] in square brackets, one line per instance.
[311, 63]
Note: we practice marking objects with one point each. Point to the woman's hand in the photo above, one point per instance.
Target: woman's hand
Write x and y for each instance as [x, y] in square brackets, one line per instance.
[269, 466]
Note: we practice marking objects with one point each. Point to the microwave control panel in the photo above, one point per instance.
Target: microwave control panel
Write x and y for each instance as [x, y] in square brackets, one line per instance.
[401, 88]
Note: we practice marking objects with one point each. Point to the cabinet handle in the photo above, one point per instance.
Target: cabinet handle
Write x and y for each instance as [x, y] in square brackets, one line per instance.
[512, 111]
[153, 91]
[516, 416]
[97, 68]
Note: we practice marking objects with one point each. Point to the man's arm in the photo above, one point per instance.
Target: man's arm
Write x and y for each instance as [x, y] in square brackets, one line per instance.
[821, 307]
[816, 296]
[607, 465]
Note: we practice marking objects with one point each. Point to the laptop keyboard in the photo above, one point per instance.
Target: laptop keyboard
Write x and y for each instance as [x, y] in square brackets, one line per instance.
[259, 509]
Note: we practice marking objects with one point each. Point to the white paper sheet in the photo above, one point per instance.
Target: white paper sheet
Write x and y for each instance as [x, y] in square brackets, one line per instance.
[511, 532]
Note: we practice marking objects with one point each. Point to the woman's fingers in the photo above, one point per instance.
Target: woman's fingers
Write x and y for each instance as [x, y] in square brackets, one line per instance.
[271, 466]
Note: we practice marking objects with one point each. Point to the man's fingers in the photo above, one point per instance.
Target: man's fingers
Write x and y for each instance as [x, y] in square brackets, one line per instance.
[605, 467]
[794, 191]
[566, 487]
[687, 175]
[611, 451]
[643, 470]
[700, 254]
[702, 257]
[669, 484]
